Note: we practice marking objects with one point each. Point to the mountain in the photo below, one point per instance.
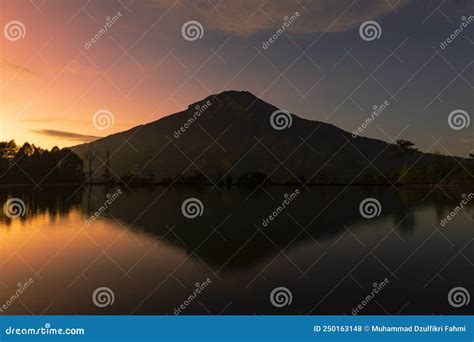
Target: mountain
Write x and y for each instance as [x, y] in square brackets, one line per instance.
[231, 133]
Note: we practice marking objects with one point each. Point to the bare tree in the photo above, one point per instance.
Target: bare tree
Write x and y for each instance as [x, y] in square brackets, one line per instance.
[89, 156]
[107, 174]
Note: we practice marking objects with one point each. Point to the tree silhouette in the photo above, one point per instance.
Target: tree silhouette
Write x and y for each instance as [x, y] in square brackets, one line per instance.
[29, 164]
[8, 149]
[107, 174]
[406, 146]
[89, 156]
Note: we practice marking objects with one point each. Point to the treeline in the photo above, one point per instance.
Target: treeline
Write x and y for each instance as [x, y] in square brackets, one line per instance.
[412, 169]
[29, 164]
[442, 171]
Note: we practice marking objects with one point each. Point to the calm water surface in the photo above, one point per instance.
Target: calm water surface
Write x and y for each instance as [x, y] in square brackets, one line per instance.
[320, 248]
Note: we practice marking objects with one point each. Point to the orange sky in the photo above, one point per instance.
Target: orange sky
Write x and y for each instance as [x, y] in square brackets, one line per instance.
[141, 69]
[49, 81]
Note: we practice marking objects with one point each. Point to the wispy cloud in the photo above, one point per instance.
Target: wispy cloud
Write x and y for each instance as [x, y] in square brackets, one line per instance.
[465, 140]
[55, 119]
[246, 17]
[8, 68]
[66, 135]
[76, 68]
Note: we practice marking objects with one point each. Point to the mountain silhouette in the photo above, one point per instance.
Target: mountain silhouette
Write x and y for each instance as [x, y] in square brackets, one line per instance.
[231, 133]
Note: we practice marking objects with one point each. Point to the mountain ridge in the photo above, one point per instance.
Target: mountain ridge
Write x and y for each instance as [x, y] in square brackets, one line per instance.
[232, 133]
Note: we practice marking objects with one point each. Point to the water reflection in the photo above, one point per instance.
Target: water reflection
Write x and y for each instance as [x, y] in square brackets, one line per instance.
[151, 255]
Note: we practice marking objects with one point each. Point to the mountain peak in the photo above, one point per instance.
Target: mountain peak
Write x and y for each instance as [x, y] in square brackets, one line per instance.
[236, 94]
[242, 97]
[233, 133]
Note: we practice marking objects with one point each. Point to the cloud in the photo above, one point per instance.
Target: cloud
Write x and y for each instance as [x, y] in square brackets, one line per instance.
[8, 68]
[75, 68]
[48, 119]
[247, 17]
[465, 140]
[66, 135]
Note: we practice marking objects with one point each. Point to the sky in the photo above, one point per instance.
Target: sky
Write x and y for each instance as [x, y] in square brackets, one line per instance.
[59, 86]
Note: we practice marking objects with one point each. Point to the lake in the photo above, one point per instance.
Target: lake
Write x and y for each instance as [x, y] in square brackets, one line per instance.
[153, 259]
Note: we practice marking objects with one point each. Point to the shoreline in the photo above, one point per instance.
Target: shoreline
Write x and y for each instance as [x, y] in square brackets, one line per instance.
[240, 185]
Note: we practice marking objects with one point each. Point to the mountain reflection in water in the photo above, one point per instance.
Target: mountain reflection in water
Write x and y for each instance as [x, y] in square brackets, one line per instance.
[319, 247]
